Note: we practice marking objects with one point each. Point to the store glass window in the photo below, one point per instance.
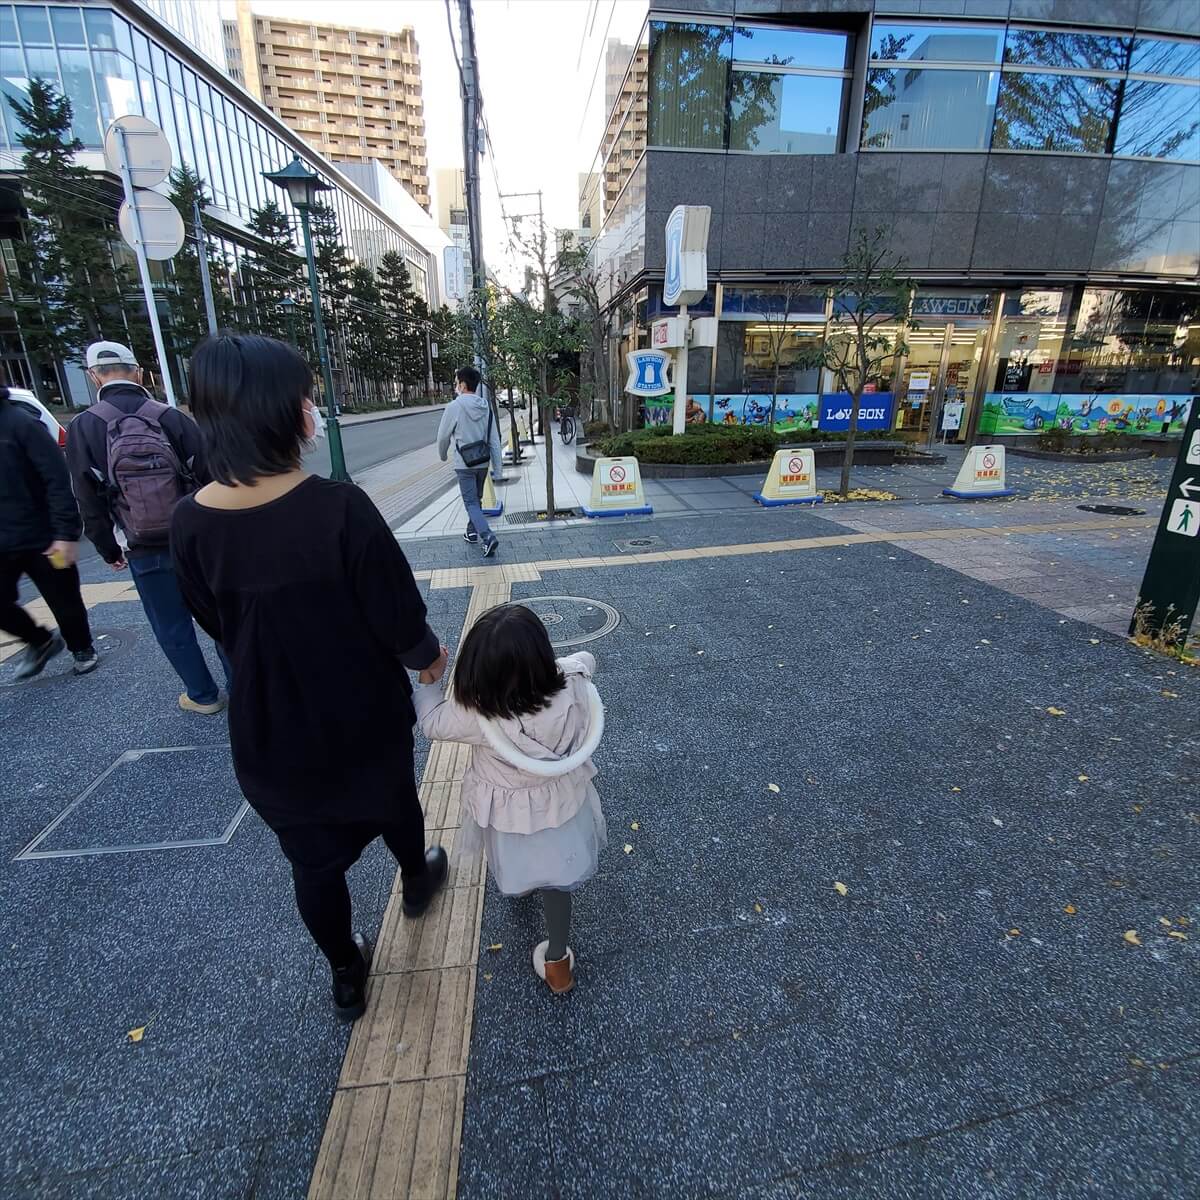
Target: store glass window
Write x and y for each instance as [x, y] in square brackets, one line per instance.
[791, 47]
[41, 64]
[906, 108]
[689, 76]
[1079, 51]
[116, 84]
[1157, 56]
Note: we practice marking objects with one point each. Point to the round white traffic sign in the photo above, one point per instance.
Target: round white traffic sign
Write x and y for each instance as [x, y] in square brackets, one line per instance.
[162, 226]
[146, 150]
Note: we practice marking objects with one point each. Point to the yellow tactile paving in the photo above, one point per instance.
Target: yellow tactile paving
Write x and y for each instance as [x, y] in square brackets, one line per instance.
[395, 1125]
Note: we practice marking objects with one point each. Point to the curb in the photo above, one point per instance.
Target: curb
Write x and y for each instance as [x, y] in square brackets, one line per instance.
[371, 418]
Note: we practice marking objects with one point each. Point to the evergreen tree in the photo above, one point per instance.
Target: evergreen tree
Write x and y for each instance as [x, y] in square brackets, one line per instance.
[70, 292]
[452, 333]
[276, 272]
[189, 318]
[406, 336]
[334, 266]
[367, 347]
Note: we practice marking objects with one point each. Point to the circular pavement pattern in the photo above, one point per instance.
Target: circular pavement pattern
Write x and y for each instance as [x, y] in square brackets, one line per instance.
[109, 644]
[573, 620]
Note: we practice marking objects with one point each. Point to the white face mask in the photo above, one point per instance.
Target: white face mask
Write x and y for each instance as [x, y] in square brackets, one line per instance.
[312, 440]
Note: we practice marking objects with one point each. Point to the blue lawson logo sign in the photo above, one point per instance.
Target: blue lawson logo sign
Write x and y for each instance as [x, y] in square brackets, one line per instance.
[874, 413]
[673, 280]
[647, 372]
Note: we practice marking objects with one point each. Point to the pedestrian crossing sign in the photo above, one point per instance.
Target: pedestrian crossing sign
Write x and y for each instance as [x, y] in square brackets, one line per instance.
[1184, 518]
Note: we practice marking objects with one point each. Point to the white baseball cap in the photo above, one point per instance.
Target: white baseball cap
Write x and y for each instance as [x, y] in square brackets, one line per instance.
[110, 354]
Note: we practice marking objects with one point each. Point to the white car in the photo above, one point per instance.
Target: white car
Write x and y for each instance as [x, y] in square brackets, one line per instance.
[27, 400]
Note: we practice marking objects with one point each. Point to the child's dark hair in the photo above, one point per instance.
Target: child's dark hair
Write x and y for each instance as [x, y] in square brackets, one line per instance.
[506, 665]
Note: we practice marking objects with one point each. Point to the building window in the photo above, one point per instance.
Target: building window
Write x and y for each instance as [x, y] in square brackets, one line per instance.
[788, 90]
[945, 103]
[689, 70]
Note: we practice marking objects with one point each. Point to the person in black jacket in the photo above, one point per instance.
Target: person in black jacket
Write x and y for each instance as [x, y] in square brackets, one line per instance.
[118, 379]
[39, 537]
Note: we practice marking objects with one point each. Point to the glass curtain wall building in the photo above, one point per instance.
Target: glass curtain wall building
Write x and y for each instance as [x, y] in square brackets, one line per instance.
[1041, 180]
[118, 58]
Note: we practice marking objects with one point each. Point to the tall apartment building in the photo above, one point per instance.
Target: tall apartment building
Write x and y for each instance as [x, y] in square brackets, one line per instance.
[353, 94]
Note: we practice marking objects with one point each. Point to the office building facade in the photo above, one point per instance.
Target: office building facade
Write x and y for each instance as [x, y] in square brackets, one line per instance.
[1036, 163]
[120, 57]
[353, 94]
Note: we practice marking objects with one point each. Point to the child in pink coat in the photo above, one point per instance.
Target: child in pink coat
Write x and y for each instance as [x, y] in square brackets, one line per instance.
[532, 722]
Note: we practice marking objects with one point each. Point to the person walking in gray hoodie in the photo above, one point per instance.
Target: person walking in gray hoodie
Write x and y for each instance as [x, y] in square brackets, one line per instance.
[468, 421]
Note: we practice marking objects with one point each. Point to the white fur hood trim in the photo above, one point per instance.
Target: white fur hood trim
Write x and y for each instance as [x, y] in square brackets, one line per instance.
[550, 768]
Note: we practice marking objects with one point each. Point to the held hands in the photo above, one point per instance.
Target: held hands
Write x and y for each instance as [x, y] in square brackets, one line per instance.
[119, 565]
[434, 672]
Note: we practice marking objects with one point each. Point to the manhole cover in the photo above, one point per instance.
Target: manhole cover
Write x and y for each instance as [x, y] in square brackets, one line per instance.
[108, 642]
[573, 620]
[631, 545]
[1112, 510]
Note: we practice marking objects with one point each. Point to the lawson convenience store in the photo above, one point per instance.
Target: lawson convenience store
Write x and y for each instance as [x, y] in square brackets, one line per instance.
[980, 363]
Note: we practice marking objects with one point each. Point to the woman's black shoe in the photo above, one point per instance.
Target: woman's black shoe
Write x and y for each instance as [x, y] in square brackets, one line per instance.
[419, 894]
[350, 983]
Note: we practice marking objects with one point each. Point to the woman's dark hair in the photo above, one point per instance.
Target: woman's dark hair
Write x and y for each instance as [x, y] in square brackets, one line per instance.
[247, 395]
[506, 665]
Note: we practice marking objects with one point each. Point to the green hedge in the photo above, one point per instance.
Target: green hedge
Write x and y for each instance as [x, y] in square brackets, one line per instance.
[699, 444]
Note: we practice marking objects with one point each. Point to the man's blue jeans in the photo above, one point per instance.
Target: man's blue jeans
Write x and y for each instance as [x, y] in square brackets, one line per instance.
[470, 484]
[158, 590]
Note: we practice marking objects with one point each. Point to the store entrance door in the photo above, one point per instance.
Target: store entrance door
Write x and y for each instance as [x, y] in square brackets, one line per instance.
[920, 379]
[938, 380]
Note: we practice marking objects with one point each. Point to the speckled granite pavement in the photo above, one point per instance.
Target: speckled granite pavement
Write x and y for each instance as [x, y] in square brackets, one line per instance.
[945, 1028]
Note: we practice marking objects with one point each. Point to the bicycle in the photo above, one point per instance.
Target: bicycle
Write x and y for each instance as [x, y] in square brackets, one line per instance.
[566, 426]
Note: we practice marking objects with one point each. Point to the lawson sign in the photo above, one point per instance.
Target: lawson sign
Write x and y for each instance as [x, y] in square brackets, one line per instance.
[875, 412]
[685, 276]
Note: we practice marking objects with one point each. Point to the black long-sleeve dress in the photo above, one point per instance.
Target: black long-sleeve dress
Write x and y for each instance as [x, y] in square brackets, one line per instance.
[316, 607]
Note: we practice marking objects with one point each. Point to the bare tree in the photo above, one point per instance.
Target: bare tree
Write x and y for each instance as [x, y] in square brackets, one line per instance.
[780, 329]
[872, 305]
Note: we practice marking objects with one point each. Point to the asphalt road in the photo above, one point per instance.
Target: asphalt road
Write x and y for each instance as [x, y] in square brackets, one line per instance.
[369, 443]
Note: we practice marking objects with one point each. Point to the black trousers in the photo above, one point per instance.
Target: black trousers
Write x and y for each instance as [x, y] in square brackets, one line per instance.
[60, 590]
[322, 854]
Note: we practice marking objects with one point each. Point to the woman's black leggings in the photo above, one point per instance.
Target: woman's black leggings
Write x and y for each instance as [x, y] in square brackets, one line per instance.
[322, 854]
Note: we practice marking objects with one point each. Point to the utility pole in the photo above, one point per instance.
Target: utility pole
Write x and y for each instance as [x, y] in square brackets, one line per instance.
[471, 152]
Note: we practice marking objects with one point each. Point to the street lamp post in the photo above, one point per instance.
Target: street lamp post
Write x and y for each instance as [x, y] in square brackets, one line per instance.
[289, 314]
[302, 186]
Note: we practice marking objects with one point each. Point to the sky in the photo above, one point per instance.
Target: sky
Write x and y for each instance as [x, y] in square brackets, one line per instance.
[534, 81]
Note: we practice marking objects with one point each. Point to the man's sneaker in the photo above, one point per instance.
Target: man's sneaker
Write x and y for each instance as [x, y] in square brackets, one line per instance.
[419, 894]
[86, 660]
[35, 658]
[350, 983]
[471, 536]
[490, 548]
[206, 710]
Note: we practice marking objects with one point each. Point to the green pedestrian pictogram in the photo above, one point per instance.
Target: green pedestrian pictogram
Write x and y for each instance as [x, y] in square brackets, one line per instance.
[1185, 519]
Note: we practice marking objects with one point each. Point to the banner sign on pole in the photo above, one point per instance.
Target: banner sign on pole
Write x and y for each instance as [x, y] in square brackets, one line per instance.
[792, 479]
[686, 272]
[1170, 590]
[648, 372]
[981, 475]
[616, 489]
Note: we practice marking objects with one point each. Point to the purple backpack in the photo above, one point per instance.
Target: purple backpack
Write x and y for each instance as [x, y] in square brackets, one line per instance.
[144, 472]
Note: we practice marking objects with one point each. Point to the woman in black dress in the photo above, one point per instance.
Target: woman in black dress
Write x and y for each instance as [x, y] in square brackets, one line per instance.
[302, 583]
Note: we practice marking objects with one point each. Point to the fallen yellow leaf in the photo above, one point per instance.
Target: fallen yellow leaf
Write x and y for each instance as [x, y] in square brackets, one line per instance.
[136, 1035]
[1069, 909]
[1170, 695]
[627, 848]
[1056, 712]
[1014, 933]
[956, 789]
[1094, 641]
[1082, 778]
[489, 978]
[773, 787]
[758, 908]
[1176, 934]
[1164, 921]
[634, 825]
[840, 887]
[1130, 935]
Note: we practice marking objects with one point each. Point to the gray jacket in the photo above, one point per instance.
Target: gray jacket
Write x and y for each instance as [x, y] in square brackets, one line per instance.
[465, 420]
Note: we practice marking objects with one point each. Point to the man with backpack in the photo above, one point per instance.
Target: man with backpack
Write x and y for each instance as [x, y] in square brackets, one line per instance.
[467, 422]
[132, 459]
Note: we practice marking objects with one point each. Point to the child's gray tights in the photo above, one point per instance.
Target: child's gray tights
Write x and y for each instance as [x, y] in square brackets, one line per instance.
[557, 907]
